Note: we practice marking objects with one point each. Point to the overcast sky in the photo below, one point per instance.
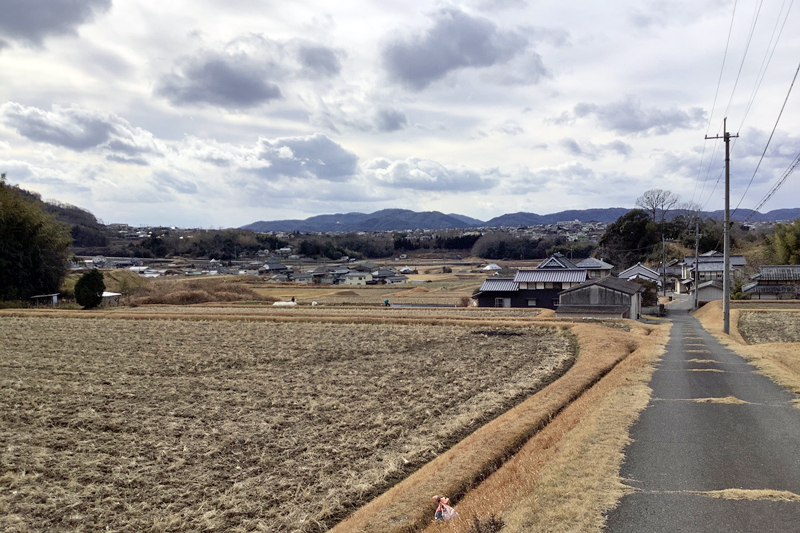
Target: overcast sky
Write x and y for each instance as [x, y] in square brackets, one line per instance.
[218, 113]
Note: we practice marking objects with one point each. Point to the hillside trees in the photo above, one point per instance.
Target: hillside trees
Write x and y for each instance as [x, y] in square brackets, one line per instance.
[785, 244]
[630, 239]
[34, 246]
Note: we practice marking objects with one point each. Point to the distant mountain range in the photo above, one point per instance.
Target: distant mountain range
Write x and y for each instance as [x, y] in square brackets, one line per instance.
[404, 219]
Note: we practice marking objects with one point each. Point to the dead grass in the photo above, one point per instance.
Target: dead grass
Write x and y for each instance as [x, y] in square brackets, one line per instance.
[219, 425]
[755, 495]
[780, 361]
[188, 292]
[565, 476]
[731, 400]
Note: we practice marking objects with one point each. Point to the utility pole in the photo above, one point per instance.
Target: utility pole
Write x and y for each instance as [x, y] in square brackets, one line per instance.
[663, 264]
[726, 274]
[696, 258]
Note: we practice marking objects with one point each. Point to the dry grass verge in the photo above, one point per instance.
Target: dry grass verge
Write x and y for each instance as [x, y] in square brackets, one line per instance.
[756, 495]
[559, 480]
[169, 425]
[185, 292]
[780, 361]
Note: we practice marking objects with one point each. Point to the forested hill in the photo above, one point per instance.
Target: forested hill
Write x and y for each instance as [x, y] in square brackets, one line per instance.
[403, 219]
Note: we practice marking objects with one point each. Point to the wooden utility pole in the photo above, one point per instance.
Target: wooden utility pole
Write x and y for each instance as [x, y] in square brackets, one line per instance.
[726, 275]
[696, 259]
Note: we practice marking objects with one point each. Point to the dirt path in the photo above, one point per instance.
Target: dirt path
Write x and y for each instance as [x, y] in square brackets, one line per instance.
[717, 448]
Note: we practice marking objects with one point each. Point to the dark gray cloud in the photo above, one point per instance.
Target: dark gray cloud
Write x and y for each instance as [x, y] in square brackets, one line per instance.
[388, 120]
[315, 156]
[456, 40]
[246, 73]
[80, 130]
[628, 116]
[426, 175]
[226, 80]
[31, 21]
[320, 60]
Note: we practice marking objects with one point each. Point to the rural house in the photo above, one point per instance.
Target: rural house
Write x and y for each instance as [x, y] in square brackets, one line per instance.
[499, 292]
[607, 297]
[775, 282]
[537, 287]
[710, 266]
[595, 268]
[639, 271]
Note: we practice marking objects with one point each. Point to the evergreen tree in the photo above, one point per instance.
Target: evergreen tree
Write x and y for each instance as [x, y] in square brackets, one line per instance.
[34, 246]
[89, 289]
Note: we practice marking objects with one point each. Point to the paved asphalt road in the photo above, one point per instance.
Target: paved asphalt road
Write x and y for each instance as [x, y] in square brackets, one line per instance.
[682, 446]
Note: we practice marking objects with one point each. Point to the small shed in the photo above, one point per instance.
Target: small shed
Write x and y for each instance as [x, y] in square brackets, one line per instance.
[709, 292]
[499, 292]
[608, 297]
[111, 299]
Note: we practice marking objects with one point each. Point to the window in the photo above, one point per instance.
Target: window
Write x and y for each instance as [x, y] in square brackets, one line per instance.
[498, 302]
[531, 302]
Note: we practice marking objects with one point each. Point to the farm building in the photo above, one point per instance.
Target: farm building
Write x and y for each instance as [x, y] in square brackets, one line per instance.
[537, 287]
[709, 291]
[499, 292]
[775, 282]
[608, 297]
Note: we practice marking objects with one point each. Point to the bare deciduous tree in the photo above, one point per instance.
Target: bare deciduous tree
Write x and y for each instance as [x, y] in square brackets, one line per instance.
[658, 202]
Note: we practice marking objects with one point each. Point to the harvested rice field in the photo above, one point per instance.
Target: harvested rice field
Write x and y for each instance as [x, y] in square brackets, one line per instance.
[761, 327]
[219, 425]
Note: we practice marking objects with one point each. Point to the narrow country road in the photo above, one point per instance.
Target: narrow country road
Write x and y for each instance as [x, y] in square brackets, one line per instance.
[712, 424]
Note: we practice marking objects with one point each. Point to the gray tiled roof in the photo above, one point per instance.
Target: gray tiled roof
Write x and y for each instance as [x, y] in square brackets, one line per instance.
[617, 284]
[551, 276]
[778, 273]
[590, 263]
[499, 285]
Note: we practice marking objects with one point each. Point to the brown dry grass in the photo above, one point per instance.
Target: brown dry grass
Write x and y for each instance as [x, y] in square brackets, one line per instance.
[743, 494]
[230, 426]
[780, 361]
[565, 476]
[187, 292]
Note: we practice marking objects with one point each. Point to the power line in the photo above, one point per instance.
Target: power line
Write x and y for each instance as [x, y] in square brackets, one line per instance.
[713, 107]
[776, 186]
[767, 58]
[770, 137]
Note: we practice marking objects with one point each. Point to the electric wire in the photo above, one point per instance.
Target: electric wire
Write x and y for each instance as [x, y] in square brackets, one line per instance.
[770, 139]
[713, 107]
[765, 62]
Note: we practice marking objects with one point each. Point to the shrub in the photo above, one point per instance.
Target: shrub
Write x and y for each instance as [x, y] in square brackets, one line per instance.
[89, 289]
[490, 525]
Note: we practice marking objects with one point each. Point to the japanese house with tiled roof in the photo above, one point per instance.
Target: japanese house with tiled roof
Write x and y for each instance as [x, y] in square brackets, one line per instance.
[774, 282]
[537, 287]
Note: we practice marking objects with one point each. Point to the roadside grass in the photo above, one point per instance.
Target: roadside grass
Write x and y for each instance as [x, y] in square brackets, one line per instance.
[780, 361]
[755, 495]
[551, 463]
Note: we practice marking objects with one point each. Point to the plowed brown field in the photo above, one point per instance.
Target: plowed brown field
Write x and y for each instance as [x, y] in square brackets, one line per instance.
[173, 425]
